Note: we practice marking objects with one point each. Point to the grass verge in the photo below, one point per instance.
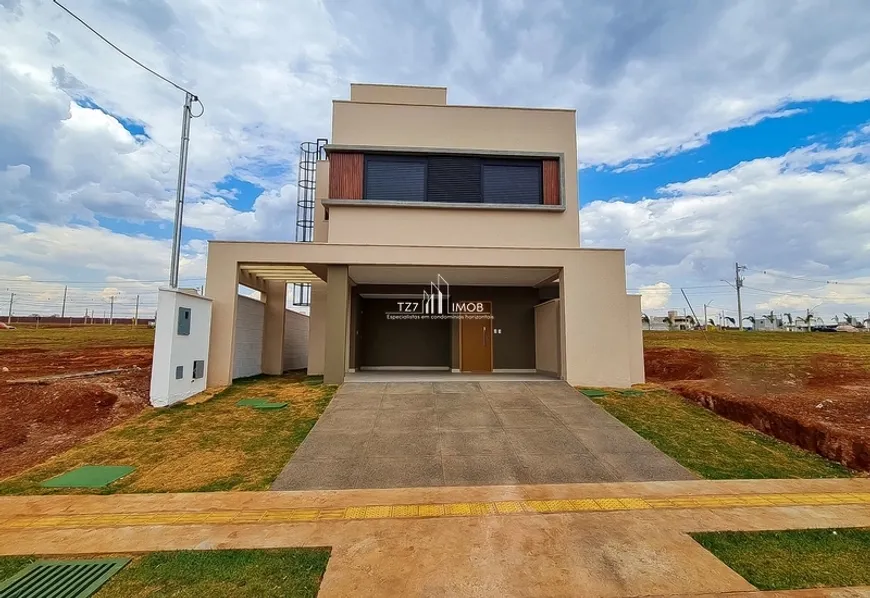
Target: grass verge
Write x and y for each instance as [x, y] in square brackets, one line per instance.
[711, 446]
[788, 345]
[794, 559]
[196, 447]
[295, 572]
[77, 337]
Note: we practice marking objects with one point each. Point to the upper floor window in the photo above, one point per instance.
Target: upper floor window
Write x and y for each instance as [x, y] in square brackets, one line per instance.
[453, 179]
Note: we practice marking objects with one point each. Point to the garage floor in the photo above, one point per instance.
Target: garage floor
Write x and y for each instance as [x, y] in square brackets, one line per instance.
[462, 433]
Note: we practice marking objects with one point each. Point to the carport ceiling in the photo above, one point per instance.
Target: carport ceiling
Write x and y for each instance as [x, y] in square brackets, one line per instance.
[458, 276]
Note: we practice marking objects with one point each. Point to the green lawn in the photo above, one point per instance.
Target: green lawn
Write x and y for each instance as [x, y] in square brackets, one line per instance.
[711, 446]
[794, 559]
[26, 336]
[208, 445]
[773, 344]
[292, 572]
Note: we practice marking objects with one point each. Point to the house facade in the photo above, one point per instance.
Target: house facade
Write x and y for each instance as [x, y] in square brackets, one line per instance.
[446, 238]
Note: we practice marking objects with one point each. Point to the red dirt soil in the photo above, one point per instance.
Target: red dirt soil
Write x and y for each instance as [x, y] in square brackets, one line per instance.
[38, 421]
[821, 403]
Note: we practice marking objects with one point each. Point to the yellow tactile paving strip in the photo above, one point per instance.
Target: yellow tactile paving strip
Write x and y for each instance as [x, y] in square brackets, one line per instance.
[420, 511]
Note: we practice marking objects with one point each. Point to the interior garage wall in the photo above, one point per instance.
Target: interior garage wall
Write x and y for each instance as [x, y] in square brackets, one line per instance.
[399, 343]
[248, 359]
[295, 341]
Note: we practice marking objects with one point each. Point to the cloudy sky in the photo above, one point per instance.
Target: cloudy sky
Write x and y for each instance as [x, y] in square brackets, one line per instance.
[708, 132]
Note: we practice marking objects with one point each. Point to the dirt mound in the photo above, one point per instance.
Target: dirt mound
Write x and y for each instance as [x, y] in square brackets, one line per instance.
[75, 403]
[827, 369]
[665, 365]
[38, 421]
[24, 363]
[797, 419]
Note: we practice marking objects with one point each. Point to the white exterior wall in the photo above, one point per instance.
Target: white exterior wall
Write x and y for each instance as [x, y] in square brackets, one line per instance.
[249, 338]
[547, 338]
[172, 349]
[295, 341]
[635, 339]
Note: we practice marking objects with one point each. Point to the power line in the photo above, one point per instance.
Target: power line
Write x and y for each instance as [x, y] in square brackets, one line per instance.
[802, 295]
[122, 52]
[802, 279]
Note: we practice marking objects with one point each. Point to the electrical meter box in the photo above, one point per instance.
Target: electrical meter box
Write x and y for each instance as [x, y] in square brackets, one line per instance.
[184, 321]
[180, 364]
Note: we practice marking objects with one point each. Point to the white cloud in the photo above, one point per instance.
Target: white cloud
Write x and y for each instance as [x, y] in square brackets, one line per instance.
[647, 79]
[99, 263]
[655, 296]
[804, 214]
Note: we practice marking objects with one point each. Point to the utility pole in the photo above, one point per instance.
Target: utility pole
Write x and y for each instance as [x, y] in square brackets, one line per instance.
[136, 315]
[738, 282]
[11, 299]
[189, 98]
[111, 309]
[706, 305]
[63, 305]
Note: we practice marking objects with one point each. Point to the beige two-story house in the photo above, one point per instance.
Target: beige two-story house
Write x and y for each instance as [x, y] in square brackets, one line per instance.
[446, 239]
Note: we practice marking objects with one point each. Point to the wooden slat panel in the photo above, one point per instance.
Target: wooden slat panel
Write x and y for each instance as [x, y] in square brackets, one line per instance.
[552, 183]
[345, 176]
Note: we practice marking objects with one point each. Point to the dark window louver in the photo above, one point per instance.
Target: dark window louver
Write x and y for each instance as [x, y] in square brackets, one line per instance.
[512, 183]
[453, 179]
[395, 178]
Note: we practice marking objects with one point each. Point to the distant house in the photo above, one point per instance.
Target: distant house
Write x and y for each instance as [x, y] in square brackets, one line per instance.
[768, 323]
[672, 321]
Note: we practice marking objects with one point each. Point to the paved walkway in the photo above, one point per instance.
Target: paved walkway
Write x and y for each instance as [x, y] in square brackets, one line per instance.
[415, 434]
[632, 543]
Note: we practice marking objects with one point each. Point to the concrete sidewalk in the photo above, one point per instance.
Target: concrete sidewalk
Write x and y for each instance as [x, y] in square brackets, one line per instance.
[635, 550]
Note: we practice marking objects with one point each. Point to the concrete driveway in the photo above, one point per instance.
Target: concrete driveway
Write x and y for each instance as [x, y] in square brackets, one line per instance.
[415, 434]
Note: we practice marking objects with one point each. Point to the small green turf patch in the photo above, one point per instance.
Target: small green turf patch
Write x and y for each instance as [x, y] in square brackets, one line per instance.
[712, 446]
[630, 393]
[251, 402]
[268, 406]
[794, 559]
[294, 572]
[89, 476]
[593, 392]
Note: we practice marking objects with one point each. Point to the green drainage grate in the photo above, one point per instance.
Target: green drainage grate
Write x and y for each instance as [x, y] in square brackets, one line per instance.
[593, 392]
[89, 476]
[56, 579]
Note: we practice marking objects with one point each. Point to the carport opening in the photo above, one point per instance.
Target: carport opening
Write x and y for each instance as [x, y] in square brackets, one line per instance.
[520, 337]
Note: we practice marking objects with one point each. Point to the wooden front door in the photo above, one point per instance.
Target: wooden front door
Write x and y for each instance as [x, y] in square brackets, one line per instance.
[475, 337]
